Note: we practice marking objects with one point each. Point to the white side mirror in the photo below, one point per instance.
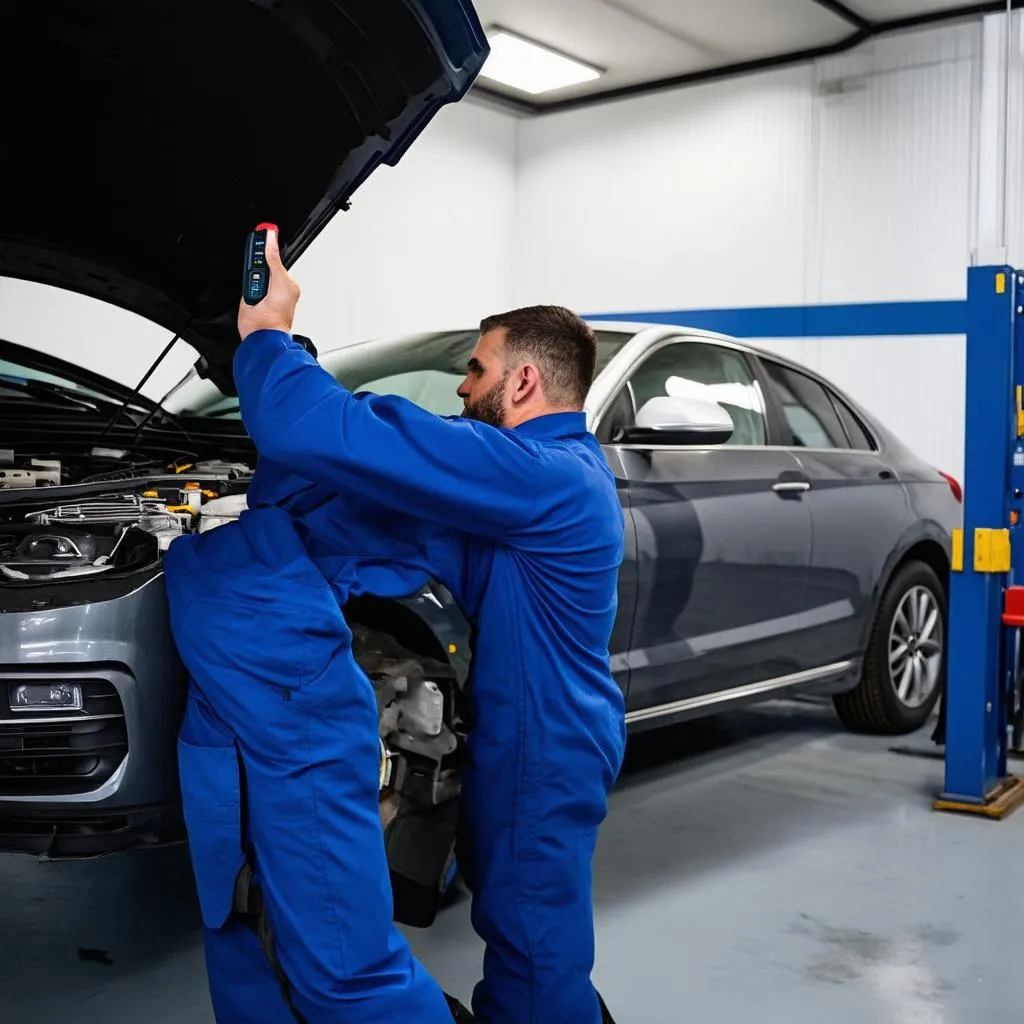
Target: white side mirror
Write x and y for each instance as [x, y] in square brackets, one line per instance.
[668, 420]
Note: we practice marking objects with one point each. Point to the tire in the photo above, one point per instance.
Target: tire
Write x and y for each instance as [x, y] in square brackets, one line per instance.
[910, 629]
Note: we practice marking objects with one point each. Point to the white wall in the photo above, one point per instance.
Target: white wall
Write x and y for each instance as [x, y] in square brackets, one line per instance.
[696, 197]
[426, 243]
[845, 181]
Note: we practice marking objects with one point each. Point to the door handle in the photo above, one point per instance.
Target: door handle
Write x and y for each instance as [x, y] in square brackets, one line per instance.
[791, 486]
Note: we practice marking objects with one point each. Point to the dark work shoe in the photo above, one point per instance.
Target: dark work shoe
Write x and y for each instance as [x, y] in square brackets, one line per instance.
[459, 1013]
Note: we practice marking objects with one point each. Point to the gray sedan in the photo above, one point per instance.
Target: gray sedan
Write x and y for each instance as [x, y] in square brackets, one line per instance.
[779, 539]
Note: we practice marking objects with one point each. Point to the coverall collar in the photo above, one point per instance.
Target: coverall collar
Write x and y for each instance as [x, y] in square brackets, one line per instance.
[554, 426]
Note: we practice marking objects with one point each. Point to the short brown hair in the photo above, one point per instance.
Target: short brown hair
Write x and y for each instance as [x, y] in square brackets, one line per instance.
[561, 345]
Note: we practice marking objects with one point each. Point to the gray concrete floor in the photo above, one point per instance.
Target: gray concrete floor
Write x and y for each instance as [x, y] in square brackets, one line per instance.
[762, 866]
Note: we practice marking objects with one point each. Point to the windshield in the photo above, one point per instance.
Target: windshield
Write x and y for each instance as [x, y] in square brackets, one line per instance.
[426, 370]
[18, 376]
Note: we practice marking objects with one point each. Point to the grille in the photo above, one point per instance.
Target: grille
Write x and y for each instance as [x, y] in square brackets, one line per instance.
[51, 753]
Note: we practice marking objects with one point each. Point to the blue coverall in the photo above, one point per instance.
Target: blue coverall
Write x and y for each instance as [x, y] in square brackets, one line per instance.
[525, 528]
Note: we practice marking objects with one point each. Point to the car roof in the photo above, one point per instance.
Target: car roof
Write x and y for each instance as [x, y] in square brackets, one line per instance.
[625, 327]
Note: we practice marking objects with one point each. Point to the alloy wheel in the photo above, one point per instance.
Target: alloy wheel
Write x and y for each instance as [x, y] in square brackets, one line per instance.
[916, 647]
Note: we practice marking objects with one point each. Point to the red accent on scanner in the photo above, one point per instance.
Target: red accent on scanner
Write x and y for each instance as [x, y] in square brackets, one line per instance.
[267, 226]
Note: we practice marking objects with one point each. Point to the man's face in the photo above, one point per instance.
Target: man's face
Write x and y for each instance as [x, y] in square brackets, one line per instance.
[483, 392]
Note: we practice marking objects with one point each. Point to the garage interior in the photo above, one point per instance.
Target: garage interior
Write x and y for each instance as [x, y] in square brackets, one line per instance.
[811, 177]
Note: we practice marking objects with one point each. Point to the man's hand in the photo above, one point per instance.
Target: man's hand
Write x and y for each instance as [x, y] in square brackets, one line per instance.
[277, 311]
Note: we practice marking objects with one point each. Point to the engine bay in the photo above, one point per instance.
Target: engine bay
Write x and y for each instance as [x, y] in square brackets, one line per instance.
[118, 516]
[67, 521]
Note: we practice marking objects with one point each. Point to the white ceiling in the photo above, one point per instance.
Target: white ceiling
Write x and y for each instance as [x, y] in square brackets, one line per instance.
[642, 41]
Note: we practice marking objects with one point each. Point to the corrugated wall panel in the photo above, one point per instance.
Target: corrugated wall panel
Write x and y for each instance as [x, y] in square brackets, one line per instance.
[895, 126]
[688, 197]
[1016, 143]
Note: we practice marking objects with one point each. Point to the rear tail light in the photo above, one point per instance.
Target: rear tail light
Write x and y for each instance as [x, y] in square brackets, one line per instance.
[954, 486]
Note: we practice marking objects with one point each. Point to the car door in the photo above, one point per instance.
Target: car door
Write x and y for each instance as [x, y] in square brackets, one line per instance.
[858, 506]
[721, 534]
[618, 646]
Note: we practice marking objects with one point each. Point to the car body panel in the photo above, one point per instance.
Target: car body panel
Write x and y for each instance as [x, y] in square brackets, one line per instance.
[723, 567]
[628, 581]
[121, 640]
[849, 491]
[124, 641]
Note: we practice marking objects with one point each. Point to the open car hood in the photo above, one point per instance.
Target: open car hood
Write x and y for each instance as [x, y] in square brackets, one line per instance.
[142, 139]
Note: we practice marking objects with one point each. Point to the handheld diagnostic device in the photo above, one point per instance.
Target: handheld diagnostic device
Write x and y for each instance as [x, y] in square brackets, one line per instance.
[256, 275]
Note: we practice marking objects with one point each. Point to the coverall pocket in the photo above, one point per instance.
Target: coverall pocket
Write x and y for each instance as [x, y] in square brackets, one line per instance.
[211, 791]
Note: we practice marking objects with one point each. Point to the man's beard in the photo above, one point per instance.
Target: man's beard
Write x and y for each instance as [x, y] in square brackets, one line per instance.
[488, 407]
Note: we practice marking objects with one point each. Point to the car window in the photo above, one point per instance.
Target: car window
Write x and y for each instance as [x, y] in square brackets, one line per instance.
[16, 373]
[855, 430]
[427, 371]
[691, 369]
[812, 419]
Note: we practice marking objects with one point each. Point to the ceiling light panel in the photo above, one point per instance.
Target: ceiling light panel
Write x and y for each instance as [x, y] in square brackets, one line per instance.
[531, 67]
[627, 50]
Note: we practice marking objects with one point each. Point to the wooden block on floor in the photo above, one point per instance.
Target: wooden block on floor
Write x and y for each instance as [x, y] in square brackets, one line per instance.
[1006, 799]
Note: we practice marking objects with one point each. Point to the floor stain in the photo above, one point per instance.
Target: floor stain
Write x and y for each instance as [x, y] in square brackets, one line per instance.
[932, 935]
[851, 954]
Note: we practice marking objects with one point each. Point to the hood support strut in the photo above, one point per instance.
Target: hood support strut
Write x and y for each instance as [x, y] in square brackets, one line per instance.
[142, 383]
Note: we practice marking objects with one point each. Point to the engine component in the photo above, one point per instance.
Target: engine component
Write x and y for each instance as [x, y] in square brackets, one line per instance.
[219, 511]
[220, 467]
[21, 473]
[113, 508]
[421, 709]
[435, 748]
[412, 713]
[385, 766]
[10, 477]
[28, 551]
[47, 472]
[127, 509]
[417, 726]
[84, 538]
[166, 528]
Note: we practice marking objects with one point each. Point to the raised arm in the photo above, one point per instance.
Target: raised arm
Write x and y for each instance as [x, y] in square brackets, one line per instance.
[457, 473]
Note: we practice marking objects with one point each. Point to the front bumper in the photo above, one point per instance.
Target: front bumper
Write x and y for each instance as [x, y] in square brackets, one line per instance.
[82, 783]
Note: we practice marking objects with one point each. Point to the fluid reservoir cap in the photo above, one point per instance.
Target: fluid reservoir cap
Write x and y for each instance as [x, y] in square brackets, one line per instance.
[229, 505]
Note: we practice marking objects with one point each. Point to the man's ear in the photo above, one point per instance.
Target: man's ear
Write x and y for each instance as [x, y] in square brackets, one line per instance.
[527, 382]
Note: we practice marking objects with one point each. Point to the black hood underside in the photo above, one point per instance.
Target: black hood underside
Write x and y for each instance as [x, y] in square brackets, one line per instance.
[142, 139]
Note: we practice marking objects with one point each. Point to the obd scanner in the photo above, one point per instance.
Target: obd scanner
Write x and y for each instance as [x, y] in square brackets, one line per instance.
[256, 275]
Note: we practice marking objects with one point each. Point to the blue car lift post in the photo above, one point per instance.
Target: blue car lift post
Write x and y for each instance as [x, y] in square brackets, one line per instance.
[986, 607]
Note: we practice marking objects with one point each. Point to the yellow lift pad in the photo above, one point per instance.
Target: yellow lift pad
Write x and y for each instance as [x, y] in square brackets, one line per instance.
[991, 550]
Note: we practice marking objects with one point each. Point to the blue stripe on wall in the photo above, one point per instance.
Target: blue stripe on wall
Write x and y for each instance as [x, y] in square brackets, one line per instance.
[861, 320]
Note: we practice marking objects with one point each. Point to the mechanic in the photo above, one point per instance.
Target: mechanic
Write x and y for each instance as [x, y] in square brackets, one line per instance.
[279, 765]
[514, 509]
